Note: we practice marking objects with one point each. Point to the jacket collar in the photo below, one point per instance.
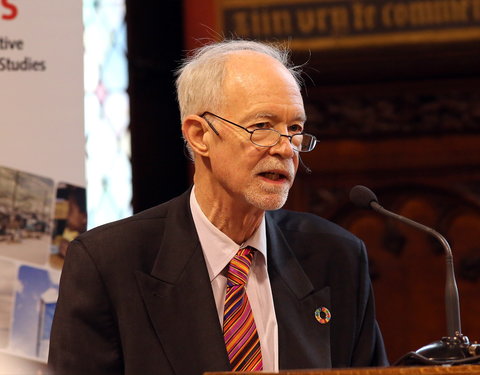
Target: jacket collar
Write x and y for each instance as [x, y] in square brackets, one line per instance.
[180, 302]
[179, 298]
[303, 342]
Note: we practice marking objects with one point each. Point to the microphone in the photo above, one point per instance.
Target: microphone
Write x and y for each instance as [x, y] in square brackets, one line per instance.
[454, 348]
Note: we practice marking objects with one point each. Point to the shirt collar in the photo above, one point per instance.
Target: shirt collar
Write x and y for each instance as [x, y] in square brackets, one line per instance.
[218, 248]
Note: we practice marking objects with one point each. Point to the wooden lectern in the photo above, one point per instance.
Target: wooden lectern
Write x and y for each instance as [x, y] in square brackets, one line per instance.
[431, 370]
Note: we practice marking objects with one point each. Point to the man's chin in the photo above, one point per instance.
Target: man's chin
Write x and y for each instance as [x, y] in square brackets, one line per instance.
[268, 202]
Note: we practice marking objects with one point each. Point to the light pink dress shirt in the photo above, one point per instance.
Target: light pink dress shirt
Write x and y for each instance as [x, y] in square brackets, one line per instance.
[218, 250]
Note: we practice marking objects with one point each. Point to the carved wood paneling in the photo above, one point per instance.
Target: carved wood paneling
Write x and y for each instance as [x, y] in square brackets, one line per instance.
[417, 145]
[407, 266]
[403, 113]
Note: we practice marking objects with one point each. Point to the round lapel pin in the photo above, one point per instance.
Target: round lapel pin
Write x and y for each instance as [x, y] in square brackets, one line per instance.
[322, 314]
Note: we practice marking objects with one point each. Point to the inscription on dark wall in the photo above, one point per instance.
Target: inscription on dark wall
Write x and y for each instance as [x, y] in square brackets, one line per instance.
[345, 18]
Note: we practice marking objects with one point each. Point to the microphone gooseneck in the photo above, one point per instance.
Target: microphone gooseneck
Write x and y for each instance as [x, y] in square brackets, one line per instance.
[455, 347]
[365, 198]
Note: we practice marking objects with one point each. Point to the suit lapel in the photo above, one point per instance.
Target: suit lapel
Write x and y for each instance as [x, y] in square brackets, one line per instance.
[303, 341]
[179, 299]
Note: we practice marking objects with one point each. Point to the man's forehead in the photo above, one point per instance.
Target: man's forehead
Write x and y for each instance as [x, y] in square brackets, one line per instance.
[256, 70]
[259, 85]
[242, 60]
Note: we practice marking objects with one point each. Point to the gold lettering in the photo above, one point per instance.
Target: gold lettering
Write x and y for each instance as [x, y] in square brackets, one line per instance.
[370, 14]
[282, 22]
[421, 13]
[363, 16]
[256, 26]
[339, 19]
[432, 16]
[387, 15]
[322, 20]
[400, 15]
[265, 22]
[442, 12]
[357, 16]
[306, 20]
[476, 10]
[240, 24]
[427, 13]
[459, 10]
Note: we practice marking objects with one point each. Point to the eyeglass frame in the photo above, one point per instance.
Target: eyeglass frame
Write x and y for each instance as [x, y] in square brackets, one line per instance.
[253, 131]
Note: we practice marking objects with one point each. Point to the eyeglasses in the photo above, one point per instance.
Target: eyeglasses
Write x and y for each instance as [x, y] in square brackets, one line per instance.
[301, 142]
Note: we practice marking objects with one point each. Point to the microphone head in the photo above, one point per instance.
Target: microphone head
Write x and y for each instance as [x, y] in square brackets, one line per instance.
[362, 196]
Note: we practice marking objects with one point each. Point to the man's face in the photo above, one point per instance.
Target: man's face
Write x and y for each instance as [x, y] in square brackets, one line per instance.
[258, 93]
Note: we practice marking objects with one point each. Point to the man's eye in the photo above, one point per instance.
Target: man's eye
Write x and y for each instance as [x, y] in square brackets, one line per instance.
[295, 128]
[261, 125]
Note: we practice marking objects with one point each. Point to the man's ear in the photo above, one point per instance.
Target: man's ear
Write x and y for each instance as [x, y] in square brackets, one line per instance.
[195, 131]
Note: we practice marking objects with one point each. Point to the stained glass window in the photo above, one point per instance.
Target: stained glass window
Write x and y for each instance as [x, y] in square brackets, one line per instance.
[108, 167]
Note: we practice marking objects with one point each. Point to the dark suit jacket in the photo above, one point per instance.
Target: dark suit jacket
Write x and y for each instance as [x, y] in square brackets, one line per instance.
[135, 297]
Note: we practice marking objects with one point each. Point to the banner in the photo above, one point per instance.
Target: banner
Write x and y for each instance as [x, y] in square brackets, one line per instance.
[330, 24]
[42, 176]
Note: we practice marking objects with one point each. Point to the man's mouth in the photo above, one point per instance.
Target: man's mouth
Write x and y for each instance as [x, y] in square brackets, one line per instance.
[273, 176]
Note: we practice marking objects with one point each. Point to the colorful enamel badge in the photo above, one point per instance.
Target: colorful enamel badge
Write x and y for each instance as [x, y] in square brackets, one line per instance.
[322, 314]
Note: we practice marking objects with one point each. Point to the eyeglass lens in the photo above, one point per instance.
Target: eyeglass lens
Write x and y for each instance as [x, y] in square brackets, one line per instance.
[269, 137]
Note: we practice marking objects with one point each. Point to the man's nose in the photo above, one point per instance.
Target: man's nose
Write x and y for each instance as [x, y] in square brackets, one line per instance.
[283, 148]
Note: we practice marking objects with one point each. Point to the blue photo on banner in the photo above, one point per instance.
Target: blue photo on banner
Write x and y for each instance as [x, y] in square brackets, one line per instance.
[35, 303]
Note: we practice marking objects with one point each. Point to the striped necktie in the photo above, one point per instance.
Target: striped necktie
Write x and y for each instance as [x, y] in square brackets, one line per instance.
[239, 329]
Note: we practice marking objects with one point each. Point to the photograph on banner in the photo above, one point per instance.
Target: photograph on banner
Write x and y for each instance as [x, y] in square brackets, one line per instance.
[26, 205]
[7, 290]
[70, 220]
[35, 301]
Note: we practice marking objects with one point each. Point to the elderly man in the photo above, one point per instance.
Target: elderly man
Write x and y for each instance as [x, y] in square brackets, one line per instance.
[220, 278]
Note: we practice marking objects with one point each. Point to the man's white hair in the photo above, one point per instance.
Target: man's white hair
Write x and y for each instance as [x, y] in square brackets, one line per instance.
[200, 77]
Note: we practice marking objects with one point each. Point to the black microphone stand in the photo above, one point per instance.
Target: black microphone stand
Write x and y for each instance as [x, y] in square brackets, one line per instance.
[455, 348]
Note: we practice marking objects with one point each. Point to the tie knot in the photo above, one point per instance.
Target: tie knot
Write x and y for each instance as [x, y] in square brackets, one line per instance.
[239, 267]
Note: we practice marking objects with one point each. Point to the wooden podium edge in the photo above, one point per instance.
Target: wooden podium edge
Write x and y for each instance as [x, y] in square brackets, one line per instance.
[430, 370]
